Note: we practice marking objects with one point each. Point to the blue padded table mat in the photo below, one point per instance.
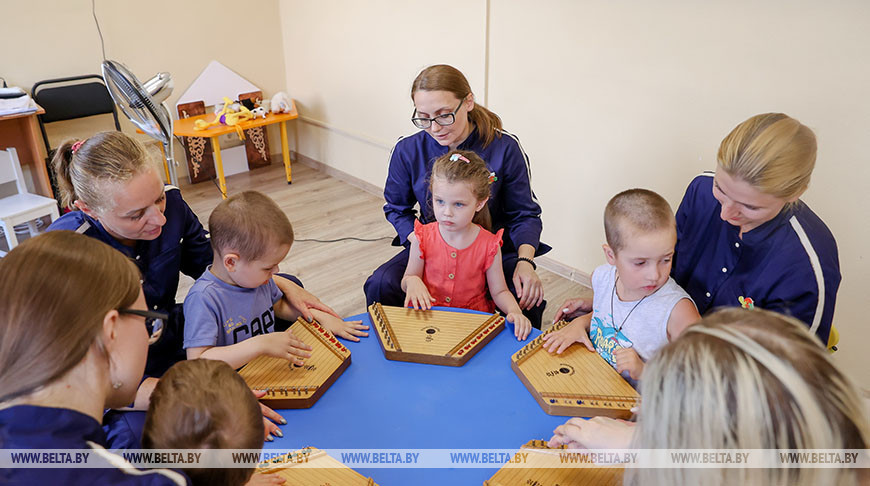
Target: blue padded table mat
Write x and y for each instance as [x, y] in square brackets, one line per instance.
[382, 404]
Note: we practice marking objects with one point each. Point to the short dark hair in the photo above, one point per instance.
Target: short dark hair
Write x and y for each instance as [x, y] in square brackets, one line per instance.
[204, 404]
[249, 223]
[642, 209]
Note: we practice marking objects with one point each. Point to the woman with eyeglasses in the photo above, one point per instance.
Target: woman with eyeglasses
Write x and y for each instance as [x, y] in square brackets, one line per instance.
[449, 119]
[74, 342]
[119, 198]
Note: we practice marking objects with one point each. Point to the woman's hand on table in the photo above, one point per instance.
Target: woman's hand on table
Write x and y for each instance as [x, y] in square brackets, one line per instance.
[270, 417]
[572, 309]
[350, 330]
[595, 433]
[301, 299]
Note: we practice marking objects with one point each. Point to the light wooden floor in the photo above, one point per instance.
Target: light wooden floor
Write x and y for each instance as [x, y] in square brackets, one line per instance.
[323, 207]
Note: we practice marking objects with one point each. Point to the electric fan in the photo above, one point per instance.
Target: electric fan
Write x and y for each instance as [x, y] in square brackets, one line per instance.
[143, 105]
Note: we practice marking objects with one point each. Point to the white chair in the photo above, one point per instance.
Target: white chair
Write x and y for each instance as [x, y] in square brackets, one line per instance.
[22, 207]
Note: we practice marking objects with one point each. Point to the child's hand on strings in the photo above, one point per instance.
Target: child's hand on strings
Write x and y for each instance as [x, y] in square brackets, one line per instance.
[575, 332]
[284, 345]
[522, 325]
[627, 359]
[417, 295]
[350, 330]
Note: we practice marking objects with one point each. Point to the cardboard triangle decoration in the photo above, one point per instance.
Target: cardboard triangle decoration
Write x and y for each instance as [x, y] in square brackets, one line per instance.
[215, 82]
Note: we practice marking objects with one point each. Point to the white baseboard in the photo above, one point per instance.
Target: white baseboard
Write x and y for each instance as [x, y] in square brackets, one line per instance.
[338, 174]
[565, 271]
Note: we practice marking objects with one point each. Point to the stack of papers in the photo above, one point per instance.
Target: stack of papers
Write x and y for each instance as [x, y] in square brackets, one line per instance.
[15, 101]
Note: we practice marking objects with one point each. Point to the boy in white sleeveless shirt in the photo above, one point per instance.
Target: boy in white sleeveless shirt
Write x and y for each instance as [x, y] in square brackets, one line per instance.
[636, 308]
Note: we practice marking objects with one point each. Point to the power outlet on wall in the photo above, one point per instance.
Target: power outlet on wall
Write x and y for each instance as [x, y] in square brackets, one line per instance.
[230, 140]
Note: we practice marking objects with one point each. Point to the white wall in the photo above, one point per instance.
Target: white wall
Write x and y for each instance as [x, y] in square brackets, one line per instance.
[350, 66]
[604, 96]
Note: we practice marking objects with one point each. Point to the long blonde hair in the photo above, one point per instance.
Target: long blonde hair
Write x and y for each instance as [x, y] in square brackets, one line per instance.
[772, 152]
[98, 162]
[442, 77]
[747, 379]
[55, 290]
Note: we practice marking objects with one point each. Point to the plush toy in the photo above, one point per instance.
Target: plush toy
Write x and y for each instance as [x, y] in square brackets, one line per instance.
[259, 112]
[231, 115]
[281, 103]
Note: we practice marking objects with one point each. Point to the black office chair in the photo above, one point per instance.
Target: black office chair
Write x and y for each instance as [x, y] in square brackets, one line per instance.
[69, 99]
[63, 99]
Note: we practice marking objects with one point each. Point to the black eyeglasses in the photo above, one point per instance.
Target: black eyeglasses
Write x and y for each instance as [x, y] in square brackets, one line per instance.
[153, 322]
[443, 120]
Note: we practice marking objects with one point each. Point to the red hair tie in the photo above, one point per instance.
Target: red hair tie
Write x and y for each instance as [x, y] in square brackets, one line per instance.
[76, 145]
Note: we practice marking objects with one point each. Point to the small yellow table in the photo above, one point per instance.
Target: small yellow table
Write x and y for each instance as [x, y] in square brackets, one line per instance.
[184, 128]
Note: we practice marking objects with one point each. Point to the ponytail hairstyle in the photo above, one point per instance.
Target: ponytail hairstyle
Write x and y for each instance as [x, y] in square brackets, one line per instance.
[466, 166]
[772, 152]
[86, 169]
[55, 290]
[442, 77]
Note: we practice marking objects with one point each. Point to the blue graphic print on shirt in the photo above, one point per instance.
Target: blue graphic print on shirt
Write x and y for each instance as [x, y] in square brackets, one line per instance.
[606, 339]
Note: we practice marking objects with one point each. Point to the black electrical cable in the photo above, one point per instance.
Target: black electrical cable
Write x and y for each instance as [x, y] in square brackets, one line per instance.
[94, 11]
[354, 238]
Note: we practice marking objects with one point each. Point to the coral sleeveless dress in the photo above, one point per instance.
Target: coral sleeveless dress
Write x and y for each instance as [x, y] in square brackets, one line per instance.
[457, 278]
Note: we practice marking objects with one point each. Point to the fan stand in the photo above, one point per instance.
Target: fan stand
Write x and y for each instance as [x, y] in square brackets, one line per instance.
[169, 148]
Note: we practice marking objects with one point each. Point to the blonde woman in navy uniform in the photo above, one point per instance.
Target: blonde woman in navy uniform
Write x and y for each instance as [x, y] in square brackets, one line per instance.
[74, 342]
[120, 200]
[744, 237]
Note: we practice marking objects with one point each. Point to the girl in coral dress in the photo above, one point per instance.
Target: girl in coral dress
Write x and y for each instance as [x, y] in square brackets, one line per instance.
[456, 261]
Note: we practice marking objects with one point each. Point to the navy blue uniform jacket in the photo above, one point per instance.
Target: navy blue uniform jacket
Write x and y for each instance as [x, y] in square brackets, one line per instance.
[513, 205]
[183, 246]
[789, 264]
[30, 427]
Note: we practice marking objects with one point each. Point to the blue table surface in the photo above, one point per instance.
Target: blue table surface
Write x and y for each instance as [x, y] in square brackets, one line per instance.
[381, 404]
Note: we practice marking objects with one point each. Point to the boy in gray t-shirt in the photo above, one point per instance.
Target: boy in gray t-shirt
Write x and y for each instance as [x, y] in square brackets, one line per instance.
[229, 313]
[637, 308]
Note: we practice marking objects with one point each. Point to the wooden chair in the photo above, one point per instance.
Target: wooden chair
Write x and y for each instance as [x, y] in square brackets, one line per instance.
[21, 207]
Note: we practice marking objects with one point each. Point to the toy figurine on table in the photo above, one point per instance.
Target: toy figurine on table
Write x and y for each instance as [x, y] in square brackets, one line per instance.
[231, 115]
